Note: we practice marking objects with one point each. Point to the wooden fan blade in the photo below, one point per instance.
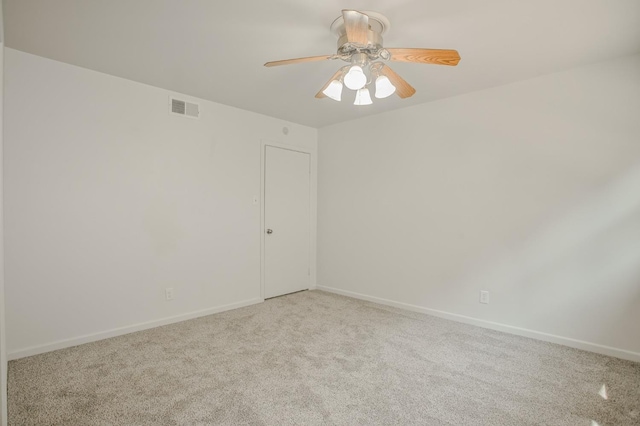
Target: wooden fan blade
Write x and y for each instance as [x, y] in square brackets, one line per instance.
[321, 95]
[356, 25]
[297, 60]
[425, 56]
[403, 89]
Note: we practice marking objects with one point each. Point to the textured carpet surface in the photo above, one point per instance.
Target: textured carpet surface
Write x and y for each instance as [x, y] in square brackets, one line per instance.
[317, 358]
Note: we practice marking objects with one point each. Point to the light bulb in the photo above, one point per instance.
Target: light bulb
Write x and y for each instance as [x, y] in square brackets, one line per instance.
[363, 97]
[355, 78]
[384, 88]
[334, 90]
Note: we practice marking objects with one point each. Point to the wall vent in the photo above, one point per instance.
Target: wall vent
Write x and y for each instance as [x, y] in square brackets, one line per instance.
[183, 108]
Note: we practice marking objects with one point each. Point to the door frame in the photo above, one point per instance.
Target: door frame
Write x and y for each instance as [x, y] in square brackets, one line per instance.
[263, 169]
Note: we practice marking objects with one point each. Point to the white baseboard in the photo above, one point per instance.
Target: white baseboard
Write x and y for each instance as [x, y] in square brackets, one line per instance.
[74, 341]
[566, 341]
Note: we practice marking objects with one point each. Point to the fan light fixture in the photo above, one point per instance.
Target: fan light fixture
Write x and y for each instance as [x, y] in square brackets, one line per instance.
[334, 90]
[384, 88]
[355, 78]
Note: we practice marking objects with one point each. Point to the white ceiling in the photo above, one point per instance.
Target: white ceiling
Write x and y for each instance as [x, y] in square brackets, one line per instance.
[215, 49]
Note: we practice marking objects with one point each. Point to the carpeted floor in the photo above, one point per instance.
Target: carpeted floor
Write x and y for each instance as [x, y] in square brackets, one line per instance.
[317, 358]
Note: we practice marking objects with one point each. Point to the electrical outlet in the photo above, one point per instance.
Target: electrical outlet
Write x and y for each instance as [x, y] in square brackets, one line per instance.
[168, 292]
[484, 296]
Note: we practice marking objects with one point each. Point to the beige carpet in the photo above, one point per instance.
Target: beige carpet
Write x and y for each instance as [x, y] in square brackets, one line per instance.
[316, 358]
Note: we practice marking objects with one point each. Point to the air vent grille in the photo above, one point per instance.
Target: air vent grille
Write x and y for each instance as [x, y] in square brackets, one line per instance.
[193, 110]
[178, 107]
[183, 108]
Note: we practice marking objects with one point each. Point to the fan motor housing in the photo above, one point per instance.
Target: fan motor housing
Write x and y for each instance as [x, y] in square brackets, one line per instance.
[375, 42]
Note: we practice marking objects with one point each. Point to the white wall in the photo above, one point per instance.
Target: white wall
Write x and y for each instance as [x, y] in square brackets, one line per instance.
[110, 200]
[530, 191]
[3, 345]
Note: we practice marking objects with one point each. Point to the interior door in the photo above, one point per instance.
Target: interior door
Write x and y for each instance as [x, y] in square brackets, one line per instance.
[286, 219]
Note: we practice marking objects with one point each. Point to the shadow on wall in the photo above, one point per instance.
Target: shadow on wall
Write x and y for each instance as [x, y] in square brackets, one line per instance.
[584, 269]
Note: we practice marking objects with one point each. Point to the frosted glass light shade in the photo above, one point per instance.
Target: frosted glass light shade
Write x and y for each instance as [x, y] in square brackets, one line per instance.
[384, 88]
[363, 97]
[334, 90]
[355, 78]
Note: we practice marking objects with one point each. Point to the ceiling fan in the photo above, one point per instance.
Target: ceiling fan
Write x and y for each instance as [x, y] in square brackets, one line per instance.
[360, 44]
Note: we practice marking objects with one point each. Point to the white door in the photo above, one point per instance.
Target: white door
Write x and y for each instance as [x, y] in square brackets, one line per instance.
[286, 219]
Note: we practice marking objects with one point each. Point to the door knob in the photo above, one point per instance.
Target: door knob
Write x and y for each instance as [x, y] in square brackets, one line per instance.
[269, 231]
